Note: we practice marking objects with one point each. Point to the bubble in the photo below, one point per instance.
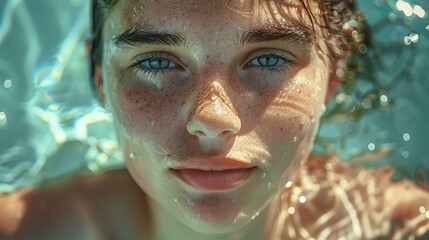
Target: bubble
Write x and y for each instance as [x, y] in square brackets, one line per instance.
[291, 210]
[367, 103]
[288, 184]
[419, 11]
[263, 175]
[302, 199]
[379, 3]
[270, 184]
[371, 146]
[405, 154]
[406, 137]
[7, 83]
[384, 99]
[404, 7]
[295, 139]
[3, 118]
[411, 38]
[363, 48]
[176, 200]
[133, 155]
[427, 214]
[422, 209]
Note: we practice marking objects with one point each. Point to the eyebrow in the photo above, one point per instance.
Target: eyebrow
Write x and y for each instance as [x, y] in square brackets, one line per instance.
[138, 35]
[292, 34]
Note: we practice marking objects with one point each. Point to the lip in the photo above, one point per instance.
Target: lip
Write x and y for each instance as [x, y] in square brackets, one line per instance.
[212, 174]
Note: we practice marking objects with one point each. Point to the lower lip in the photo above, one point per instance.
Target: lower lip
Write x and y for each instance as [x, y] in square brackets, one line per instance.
[213, 180]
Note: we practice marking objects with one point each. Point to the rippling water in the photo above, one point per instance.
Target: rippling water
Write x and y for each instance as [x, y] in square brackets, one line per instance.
[50, 126]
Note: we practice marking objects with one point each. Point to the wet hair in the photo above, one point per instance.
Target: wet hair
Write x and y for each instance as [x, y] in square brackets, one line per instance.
[338, 18]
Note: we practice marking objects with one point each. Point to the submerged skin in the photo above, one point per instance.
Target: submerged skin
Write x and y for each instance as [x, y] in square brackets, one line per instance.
[217, 106]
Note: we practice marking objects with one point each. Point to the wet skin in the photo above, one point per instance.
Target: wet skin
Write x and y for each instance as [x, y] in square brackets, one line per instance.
[200, 87]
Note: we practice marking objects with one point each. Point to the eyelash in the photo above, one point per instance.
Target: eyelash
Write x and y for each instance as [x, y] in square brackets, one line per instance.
[282, 68]
[138, 65]
[140, 68]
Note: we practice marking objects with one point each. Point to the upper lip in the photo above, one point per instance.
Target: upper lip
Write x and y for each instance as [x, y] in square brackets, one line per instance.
[213, 164]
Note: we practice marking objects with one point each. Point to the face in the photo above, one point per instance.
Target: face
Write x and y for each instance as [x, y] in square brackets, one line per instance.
[215, 103]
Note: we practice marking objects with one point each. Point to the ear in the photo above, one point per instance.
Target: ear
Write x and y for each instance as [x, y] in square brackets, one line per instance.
[98, 84]
[96, 76]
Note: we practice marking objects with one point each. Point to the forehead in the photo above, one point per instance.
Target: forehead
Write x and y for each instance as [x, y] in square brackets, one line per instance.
[240, 13]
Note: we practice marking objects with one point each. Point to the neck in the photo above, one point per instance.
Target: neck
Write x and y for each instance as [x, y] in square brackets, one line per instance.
[166, 226]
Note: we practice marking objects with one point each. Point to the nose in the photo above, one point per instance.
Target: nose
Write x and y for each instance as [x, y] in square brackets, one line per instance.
[214, 115]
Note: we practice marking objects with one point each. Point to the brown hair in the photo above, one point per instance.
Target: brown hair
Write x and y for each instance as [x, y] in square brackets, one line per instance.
[339, 19]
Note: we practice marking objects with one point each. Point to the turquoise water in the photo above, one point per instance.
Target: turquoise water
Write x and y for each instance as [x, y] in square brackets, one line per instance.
[51, 127]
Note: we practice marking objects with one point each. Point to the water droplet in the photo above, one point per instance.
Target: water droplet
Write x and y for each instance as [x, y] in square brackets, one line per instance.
[406, 137]
[405, 154]
[288, 184]
[328, 166]
[7, 83]
[235, 221]
[371, 146]
[291, 210]
[384, 99]
[422, 209]
[302, 199]
[344, 183]
[295, 138]
[176, 200]
[270, 184]
[427, 214]
[133, 155]
[3, 118]
[263, 175]
[411, 38]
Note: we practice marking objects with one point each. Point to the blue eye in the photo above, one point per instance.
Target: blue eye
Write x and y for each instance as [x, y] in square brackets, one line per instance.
[158, 63]
[268, 61]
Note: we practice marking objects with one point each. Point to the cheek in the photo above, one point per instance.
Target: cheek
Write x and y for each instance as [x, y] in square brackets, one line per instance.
[144, 110]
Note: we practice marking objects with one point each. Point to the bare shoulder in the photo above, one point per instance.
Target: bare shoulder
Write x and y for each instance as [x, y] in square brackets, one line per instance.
[333, 199]
[86, 206]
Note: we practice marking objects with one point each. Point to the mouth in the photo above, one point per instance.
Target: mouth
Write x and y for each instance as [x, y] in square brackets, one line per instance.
[213, 175]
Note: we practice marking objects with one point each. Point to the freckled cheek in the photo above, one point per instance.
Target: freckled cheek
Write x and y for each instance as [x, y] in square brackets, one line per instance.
[145, 110]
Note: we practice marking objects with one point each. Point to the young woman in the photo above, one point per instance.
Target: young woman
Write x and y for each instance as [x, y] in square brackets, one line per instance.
[216, 105]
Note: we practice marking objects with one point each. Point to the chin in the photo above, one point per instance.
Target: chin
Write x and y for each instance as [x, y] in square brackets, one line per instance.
[214, 214]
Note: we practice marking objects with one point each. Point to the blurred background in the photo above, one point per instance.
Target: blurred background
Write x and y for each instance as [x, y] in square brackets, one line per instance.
[50, 126]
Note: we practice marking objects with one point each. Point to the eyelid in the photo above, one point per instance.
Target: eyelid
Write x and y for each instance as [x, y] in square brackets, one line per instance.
[156, 54]
[288, 57]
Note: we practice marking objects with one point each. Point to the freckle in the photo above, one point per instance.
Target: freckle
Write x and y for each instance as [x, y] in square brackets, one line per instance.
[281, 129]
[183, 103]
[136, 101]
[207, 56]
